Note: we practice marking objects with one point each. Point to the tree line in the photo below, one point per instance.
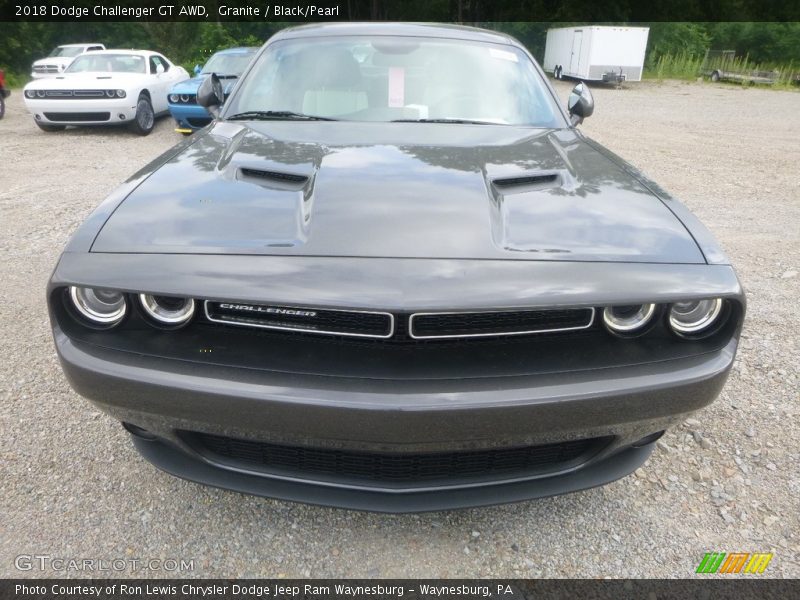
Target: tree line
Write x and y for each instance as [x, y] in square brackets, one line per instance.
[190, 43]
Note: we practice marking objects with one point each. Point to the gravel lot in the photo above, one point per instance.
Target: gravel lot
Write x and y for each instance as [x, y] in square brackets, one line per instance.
[726, 480]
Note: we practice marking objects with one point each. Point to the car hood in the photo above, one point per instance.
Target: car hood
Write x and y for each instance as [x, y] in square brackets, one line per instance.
[189, 86]
[88, 81]
[54, 60]
[412, 190]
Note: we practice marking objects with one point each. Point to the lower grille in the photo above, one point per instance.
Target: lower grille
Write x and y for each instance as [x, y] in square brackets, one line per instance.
[198, 121]
[396, 468]
[77, 117]
[477, 324]
[288, 318]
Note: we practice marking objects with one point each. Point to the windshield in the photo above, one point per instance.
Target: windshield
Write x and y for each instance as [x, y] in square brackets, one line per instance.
[68, 51]
[107, 63]
[227, 64]
[397, 79]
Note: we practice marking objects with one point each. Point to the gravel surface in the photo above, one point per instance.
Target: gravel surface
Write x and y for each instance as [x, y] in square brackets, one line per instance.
[726, 480]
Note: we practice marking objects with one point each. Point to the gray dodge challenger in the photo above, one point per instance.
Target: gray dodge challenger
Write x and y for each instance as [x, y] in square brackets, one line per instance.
[393, 275]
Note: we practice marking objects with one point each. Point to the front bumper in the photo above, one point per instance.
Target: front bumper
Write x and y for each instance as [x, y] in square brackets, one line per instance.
[190, 116]
[75, 112]
[165, 397]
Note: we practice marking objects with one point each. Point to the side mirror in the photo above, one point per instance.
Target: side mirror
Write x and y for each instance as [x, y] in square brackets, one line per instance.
[210, 94]
[580, 104]
[197, 69]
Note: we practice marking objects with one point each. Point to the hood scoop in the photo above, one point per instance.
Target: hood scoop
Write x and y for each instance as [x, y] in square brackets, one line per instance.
[529, 182]
[280, 179]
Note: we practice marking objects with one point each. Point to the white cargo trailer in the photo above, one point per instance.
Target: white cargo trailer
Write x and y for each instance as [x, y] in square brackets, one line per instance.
[596, 52]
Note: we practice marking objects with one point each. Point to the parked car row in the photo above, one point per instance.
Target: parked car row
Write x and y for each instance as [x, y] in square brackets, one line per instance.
[87, 84]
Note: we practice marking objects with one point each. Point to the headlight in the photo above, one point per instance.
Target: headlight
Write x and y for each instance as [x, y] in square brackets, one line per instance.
[99, 306]
[695, 316]
[173, 98]
[40, 93]
[30, 94]
[167, 310]
[628, 319]
[110, 93]
[121, 93]
[185, 98]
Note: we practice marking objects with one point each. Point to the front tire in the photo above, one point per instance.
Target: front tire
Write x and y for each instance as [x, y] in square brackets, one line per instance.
[145, 119]
[50, 128]
[715, 76]
[2, 105]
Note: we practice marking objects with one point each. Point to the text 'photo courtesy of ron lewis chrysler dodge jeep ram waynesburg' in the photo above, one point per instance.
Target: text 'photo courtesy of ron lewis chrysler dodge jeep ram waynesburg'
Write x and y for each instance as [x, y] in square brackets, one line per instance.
[392, 275]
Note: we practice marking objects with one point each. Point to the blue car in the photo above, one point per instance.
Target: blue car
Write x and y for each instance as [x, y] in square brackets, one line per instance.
[228, 65]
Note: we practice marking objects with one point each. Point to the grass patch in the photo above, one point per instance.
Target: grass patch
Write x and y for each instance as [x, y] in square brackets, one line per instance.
[689, 67]
[15, 80]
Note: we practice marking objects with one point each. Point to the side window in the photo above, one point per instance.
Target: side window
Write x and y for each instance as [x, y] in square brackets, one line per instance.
[94, 48]
[156, 61]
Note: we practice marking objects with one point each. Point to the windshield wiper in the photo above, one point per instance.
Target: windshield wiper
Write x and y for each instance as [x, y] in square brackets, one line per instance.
[273, 115]
[466, 121]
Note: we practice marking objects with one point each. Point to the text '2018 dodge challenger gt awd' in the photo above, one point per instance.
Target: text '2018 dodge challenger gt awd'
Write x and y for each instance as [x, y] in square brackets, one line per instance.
[392, 275]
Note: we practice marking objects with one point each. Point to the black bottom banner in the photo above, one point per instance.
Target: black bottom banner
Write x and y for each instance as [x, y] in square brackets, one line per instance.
[422, 589]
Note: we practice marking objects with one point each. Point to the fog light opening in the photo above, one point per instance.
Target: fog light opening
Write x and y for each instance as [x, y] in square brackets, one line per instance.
[121, 117]
[647, 440]
[139, 432]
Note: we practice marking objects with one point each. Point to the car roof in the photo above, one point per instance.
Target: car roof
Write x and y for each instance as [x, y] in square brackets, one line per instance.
[432, 30]
[124, 51]
[77, 45]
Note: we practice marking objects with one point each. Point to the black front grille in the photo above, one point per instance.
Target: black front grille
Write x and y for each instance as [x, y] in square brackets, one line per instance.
[310, 320]
[469, 324]
[395, 468]
[198, 121]
[75, 94]
[77, 117]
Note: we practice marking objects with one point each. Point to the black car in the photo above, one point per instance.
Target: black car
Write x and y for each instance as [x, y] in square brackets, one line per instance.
[392, 275]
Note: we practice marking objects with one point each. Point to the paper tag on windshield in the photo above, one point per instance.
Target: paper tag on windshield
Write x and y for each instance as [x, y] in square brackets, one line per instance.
[397, 87]
[502, 54]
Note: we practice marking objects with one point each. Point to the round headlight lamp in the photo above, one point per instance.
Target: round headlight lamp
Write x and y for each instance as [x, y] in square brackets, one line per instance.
[40, 93]
[169, 311]
[695, 316]
[99, 306]
[120, 93]
[110, 93]
[173, 98]
[628, 319]
[30, 94]
[184, 98]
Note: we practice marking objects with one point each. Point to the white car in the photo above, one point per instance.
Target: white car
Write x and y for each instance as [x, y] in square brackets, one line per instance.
[109, 87]
[60, 58]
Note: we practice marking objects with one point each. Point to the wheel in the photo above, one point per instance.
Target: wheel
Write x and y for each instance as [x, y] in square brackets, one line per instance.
[145, 118]
[2, 105]
[715, 76]
[50, 128]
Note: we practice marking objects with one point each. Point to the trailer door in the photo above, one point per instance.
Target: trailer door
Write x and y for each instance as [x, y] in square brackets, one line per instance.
[575, 58]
